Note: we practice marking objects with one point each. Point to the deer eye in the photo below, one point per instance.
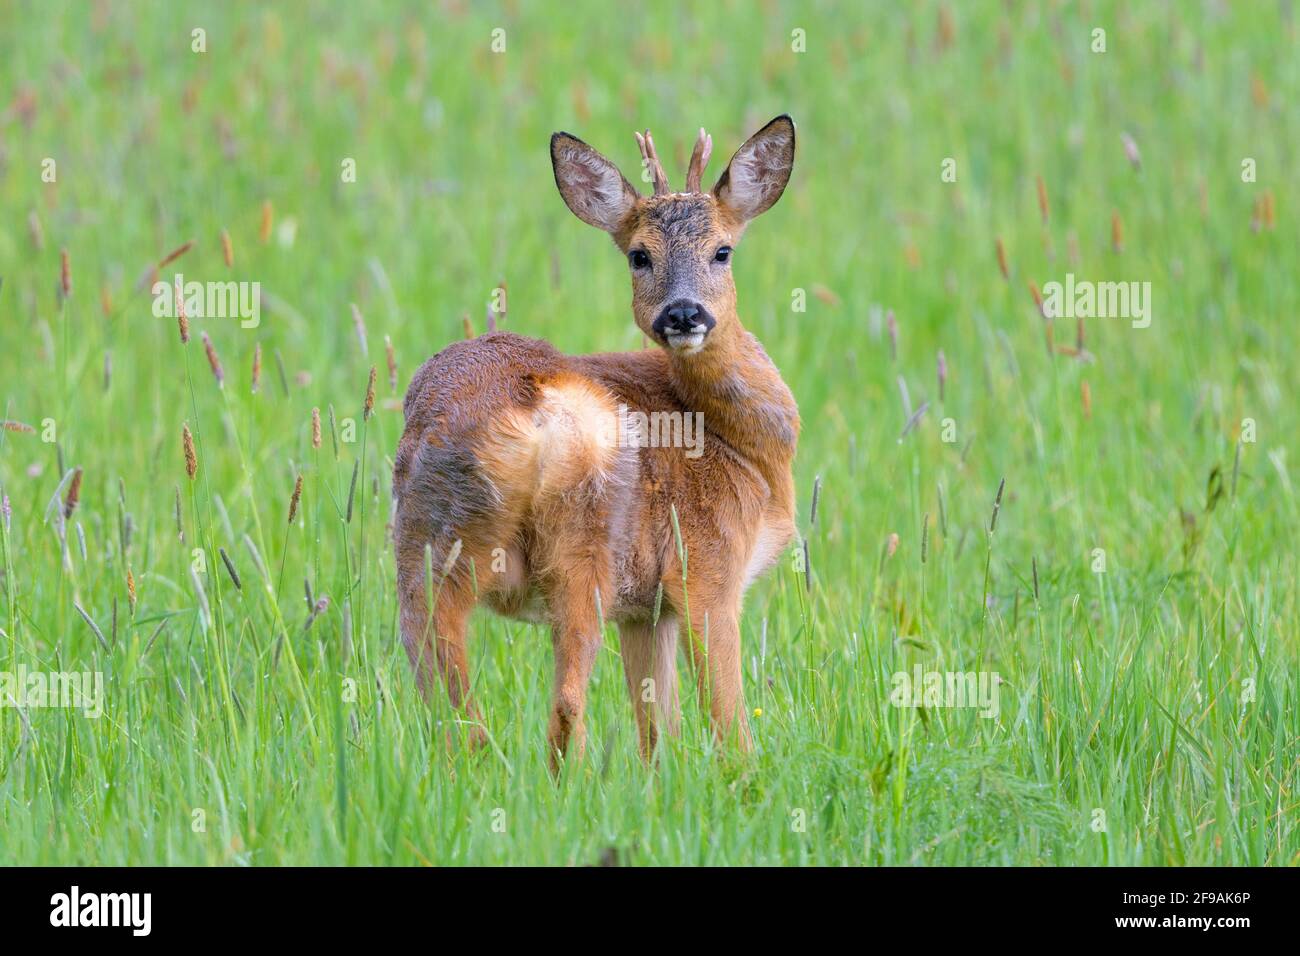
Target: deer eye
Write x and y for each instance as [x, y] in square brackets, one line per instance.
[639, 258]
[723, 254]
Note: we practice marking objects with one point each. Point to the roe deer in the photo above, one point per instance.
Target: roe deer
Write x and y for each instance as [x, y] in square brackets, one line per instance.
[515, 486]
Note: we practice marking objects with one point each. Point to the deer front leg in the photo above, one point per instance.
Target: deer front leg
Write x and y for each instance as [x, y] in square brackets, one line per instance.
[713, 646]
[650, 665]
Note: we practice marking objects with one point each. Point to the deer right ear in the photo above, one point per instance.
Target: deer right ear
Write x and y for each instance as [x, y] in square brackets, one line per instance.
[591, 185]
[756, 176]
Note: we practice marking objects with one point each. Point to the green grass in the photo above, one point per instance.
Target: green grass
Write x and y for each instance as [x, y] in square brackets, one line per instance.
[1128, 691]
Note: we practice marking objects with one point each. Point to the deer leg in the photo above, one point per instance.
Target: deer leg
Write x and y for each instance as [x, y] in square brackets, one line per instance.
[650, 665]
[576, 636]
[435, 643]
[713, 647]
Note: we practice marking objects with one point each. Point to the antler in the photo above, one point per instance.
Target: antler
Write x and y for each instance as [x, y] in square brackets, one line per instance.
[651, 160]
[694, 173]
[699, 159]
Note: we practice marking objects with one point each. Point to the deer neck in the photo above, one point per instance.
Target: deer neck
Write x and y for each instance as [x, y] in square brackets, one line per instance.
[744, 401]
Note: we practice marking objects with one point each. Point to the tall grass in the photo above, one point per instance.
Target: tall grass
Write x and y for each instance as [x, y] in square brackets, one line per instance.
[259, 709]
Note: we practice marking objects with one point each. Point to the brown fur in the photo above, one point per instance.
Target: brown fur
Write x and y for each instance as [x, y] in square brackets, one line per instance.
[508, 449]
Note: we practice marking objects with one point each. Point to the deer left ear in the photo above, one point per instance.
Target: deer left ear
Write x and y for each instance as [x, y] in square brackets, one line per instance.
[591, 185]
[756, 176]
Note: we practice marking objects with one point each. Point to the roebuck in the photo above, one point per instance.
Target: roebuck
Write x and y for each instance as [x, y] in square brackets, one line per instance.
[518, 482]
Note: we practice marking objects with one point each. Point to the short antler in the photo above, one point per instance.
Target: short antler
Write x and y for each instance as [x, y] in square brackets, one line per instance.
[699, 159]
[651, 160]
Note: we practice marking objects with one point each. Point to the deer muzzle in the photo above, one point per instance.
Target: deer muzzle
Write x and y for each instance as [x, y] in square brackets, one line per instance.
[683, 325]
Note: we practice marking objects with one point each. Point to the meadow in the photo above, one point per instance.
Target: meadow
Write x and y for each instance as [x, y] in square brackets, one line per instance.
[382, 170]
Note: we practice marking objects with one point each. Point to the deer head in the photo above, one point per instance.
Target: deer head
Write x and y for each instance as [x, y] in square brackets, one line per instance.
[678, 245]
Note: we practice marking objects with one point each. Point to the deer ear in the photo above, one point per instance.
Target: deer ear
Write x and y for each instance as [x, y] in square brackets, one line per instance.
[756, 176]
[592, 187]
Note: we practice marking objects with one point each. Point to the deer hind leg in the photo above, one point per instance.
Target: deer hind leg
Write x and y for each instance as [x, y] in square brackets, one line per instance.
[442, 497]
[650, 665]
[713, 647]
[582, 483]
[436, 646]
[576, 581]
[579, 575]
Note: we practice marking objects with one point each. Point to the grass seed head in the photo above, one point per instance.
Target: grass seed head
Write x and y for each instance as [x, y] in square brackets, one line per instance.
[997, 506]
[352, 489]
[369, 407]
[182, 320]
[230, 569]
[1038, 298]
[65, 273]
[452, 556]
[227, 250]
[257, 367]
[1002, 259]
[315, 428]
[74, 495]
[213, 361]
[295, 498]
[175, 254]
[191, 459]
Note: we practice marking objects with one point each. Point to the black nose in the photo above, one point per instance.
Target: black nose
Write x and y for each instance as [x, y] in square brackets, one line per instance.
[681, 318]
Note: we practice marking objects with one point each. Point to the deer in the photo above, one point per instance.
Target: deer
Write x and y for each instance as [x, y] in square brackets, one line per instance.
[512, 489]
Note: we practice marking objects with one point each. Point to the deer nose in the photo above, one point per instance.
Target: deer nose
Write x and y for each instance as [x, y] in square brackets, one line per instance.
[683, 318]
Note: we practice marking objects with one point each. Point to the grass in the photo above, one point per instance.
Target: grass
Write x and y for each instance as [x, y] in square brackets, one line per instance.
[1149, 713]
